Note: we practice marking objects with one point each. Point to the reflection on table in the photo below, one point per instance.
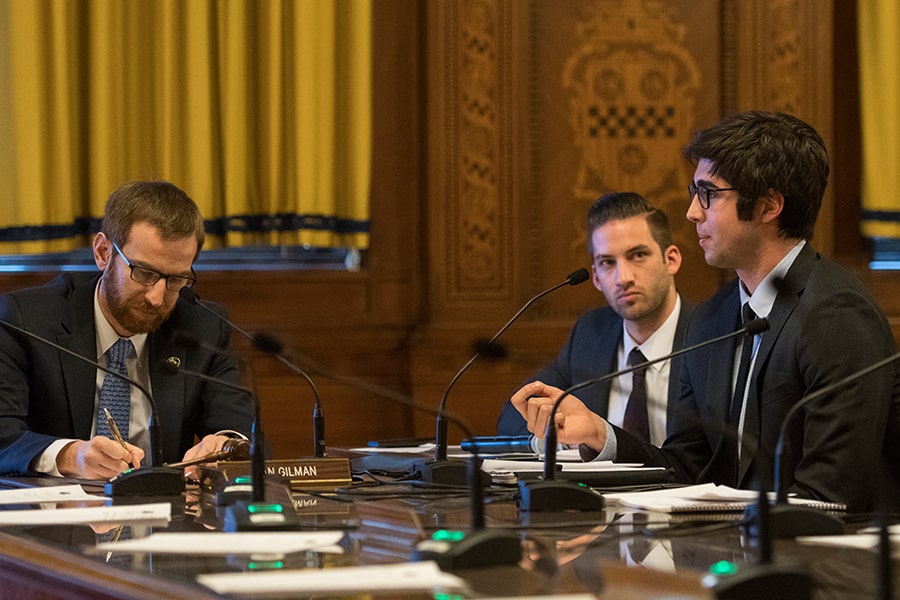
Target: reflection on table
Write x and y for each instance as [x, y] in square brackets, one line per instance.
[615, 553]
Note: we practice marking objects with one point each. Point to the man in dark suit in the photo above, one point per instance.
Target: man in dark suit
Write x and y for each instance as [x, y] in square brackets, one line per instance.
[50, 403]
[757, 189]
[634, 264]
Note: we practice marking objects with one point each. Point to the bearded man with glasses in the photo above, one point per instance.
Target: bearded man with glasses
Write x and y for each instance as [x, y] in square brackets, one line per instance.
[52, 406]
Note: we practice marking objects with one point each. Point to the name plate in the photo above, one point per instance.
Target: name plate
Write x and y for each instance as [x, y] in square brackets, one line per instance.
[301, 472]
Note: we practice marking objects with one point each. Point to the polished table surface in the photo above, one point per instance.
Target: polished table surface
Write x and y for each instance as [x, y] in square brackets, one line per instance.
[614, 553]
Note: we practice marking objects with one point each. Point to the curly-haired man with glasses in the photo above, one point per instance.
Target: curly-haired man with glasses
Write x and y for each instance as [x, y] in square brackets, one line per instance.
[757, 188]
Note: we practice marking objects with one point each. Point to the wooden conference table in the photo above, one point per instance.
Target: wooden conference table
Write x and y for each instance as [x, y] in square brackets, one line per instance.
[612, 554]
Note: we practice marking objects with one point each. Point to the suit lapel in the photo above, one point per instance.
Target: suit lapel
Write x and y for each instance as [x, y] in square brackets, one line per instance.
[79, 377]
[720, 374]
[604, 356]
[168, 390]
[684, 317]
[789, 291]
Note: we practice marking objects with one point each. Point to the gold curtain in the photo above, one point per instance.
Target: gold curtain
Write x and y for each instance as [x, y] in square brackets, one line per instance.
[259, 109]
[879, 67]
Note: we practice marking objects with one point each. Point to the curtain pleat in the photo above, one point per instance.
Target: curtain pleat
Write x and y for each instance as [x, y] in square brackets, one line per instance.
[259, 109]
[879, 57]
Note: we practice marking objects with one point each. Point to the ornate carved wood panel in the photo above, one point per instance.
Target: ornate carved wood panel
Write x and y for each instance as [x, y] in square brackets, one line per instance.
[537, 108]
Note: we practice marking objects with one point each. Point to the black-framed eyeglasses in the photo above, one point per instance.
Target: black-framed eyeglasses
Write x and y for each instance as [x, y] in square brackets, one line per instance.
[148, 277]
[704, 193]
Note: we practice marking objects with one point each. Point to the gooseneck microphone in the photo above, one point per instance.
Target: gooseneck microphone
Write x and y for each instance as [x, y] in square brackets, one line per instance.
[784, 520]
[254, 515]
[270, 345]
[780, 487]
[548, 494]
[153, 480]
[787, 520]
[483, 546]
[447, 472]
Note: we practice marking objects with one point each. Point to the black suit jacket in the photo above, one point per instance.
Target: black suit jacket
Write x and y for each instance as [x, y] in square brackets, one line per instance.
[589, 353]
[46, 395]
[823, 326]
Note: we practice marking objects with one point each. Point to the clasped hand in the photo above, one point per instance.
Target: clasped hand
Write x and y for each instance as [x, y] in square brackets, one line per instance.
[575, 422]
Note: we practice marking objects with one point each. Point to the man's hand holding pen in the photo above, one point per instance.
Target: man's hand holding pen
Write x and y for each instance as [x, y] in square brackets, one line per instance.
[97, 458]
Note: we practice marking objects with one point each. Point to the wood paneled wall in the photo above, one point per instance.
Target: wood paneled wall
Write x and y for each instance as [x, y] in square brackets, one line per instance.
[497, 122]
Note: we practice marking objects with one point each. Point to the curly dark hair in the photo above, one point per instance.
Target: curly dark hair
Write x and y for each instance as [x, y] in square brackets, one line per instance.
[757, 151]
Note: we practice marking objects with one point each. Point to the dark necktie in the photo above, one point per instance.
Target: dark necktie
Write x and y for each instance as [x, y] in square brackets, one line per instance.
[636, 421]
[641, 544]
[115, 393]
[737, 400]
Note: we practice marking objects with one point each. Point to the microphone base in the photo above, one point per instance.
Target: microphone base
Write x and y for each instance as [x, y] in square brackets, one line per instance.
[552, 495]
[245, 515]
[787, 521]
[146, 481]
[751, 582]
[476, 549]
[446, 472]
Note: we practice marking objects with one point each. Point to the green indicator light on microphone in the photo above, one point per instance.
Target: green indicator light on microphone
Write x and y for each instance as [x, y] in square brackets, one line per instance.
[265, 508]
[723, 567]
[446, 535]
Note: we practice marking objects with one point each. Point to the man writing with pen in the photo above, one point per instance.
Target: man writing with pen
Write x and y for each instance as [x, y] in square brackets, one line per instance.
[53, 407]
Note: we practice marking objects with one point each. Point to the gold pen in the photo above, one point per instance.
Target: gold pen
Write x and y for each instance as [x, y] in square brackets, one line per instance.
[111, 423]
[116, 534]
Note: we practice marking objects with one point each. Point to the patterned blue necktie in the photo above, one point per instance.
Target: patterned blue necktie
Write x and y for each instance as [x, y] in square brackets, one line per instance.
[115, 394]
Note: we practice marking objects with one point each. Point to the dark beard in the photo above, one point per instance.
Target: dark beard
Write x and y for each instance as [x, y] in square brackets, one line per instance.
[119, 309]
[136, 325]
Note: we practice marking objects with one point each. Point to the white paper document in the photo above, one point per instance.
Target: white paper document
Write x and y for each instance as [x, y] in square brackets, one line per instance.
[210, 543]
[862, 541]
[158, 512]
[519, 466]
[427, 447]
[553, 597]
[403, 577]
[706, 497]
[36, 495]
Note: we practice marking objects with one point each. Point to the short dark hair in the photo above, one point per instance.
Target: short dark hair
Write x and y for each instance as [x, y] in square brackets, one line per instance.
[161, 204]
[755, 151]
[615, 206]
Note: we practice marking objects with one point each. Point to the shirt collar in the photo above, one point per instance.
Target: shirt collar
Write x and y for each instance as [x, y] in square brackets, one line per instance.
[763, 299]
[107, 336]
[660, 341]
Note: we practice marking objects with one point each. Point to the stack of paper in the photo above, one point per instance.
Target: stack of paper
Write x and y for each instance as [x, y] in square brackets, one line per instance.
[707, 497]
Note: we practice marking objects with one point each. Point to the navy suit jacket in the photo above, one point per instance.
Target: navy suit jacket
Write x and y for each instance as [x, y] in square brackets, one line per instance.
[46, 394]
[591, 352]
[823, 326]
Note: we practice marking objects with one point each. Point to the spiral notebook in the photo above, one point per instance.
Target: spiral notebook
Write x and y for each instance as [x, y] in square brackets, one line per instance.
[706, 497]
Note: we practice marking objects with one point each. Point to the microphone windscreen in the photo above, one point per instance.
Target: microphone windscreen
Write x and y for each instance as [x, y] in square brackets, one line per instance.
[579, 276]
[188, 295]
[267, 343]
[490, 350]
[756, 326]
